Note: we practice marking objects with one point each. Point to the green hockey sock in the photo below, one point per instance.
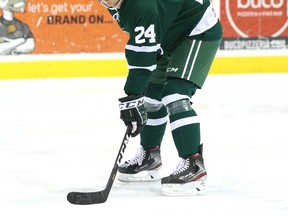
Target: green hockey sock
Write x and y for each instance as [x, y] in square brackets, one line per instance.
[186, 132]
[154, 130]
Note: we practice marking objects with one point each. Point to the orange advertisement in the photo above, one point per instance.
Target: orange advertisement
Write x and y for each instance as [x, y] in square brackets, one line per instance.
[62, 26]
[85, 26]
[254, 24]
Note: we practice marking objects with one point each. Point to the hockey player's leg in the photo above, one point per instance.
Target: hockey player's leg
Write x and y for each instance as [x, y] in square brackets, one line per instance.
[192, 59]
[146, 164]
[190, 175]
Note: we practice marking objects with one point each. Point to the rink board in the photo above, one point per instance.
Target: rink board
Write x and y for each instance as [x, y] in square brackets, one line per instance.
[64, 68]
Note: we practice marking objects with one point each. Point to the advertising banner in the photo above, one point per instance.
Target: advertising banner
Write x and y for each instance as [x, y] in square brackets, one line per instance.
[62, 26]
[254, 24]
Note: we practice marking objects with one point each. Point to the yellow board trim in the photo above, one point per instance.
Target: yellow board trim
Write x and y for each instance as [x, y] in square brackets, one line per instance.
[62, 69]
[252, 64]
[118, 67]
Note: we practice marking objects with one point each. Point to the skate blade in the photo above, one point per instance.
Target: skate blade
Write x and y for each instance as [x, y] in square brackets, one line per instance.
[188, 189]
[144, 176]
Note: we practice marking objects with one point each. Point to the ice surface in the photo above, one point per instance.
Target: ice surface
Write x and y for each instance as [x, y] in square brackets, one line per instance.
[61, 135]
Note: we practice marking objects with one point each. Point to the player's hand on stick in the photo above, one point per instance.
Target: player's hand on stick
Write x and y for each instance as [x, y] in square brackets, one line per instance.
[133, 113]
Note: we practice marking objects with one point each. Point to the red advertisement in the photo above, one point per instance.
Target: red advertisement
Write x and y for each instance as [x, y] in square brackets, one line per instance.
[254, 24]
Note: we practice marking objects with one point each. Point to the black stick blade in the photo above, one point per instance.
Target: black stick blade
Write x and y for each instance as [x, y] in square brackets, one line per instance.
[87, 198]
[82, 198]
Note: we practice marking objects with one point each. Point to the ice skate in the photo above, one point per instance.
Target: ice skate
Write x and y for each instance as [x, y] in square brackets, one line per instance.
[188, 178]
[144, 166]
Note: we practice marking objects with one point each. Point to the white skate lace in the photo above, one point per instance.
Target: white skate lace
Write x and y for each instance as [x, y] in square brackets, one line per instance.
[181, 167]
[138, 158]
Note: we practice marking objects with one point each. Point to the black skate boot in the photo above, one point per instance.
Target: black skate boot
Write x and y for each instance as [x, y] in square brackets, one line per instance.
[188, 178]
[144, 166]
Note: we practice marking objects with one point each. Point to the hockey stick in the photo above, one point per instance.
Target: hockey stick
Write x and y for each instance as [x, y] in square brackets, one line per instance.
[87, 198]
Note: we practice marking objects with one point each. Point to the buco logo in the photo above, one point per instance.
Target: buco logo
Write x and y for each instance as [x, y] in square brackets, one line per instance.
[260, 3]
[257, 18]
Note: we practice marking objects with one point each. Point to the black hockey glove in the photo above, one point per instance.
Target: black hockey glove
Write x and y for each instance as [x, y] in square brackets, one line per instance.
[133, 113]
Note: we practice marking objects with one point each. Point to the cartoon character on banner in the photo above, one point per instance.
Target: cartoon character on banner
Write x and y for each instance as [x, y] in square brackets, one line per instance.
[15, 36]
